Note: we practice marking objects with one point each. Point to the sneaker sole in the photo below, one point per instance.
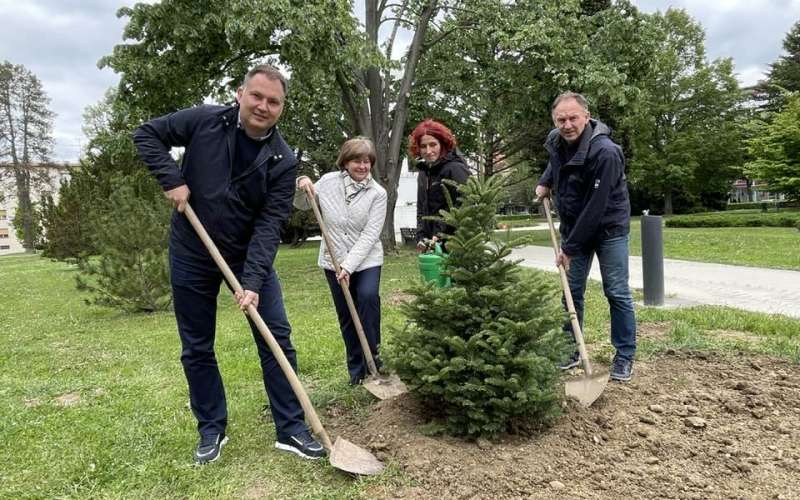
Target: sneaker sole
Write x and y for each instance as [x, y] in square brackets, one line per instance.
[286, 447]
[222, 443]
[570, 365]
[620, 378]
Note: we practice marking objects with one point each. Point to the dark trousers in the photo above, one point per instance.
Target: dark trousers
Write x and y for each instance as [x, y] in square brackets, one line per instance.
[365, 289]
[195, 287]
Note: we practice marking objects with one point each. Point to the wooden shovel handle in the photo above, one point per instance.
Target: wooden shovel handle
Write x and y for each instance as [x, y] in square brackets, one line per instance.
[294, 381]
[362, 338]
[573, 316]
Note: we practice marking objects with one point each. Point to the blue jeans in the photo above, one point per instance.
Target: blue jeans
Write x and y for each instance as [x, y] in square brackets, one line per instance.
[364, 288]
[612, 254]
[195, 287]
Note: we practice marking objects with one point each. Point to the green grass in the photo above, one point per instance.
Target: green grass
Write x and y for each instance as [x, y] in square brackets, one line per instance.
[773, 247]
[519, 221]
[130, 434]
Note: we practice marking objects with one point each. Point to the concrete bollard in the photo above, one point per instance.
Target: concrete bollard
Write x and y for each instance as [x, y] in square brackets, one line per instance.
[652, 260]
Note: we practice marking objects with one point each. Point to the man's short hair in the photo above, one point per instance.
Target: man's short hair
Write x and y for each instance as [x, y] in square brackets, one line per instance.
[271, 72]
[570, 95]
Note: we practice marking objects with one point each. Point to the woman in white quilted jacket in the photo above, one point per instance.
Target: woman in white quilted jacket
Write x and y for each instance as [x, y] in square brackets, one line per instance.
[353, 207]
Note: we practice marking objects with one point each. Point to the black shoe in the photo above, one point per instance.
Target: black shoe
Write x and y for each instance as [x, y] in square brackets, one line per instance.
[573, 361]
[209, 448]
[356, 379]
[622, 369]
[302, 444]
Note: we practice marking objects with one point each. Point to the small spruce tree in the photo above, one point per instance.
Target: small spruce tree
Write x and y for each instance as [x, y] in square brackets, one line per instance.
[483, 352]
[131, 272]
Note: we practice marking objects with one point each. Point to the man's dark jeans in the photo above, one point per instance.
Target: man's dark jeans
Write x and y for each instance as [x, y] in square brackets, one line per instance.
[365, 288]
[195, 287]
[612, 254]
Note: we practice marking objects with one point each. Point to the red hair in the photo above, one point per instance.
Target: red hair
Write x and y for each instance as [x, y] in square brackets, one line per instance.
[434, 129]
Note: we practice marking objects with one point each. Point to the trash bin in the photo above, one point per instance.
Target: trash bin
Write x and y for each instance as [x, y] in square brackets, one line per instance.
[430, 265]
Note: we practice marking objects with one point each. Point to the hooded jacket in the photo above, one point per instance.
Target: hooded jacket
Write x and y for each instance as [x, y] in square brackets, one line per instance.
[430, 191]
[242, 213]
[590, 189]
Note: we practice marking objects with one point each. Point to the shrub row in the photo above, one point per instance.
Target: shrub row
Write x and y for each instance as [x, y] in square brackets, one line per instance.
[760, 205]
[721, 219]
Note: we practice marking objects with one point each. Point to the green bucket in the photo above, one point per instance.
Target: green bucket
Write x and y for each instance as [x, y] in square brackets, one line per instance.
[430, 265]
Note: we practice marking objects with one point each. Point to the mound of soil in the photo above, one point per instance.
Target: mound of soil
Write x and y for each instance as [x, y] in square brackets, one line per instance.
[689, 425]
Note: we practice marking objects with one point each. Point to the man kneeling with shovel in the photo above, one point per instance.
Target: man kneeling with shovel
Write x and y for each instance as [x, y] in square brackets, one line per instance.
[586, 171]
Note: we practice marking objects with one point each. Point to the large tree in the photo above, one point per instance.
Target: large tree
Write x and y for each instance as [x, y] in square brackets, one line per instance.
[688, 142]
[776, 151]
[181, 52]
[784, 74]
[499, 65]
[26, 124]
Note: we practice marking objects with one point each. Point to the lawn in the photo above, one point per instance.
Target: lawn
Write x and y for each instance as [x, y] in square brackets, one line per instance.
[773, 247]
[95, 403]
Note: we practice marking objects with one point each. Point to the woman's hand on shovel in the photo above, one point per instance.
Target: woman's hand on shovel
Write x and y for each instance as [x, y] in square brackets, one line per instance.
[246, 298]
[343, 277]
[306, 185]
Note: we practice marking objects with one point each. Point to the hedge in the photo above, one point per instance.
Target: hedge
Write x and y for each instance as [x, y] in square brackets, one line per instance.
[760, 205]
[721, 219]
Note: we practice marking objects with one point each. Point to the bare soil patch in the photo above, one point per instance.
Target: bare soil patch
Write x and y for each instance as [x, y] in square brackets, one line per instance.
[689, 425]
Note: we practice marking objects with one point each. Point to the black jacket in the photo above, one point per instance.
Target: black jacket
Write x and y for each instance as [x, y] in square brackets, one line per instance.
[430, 191]
[242, 215]
[590, 189]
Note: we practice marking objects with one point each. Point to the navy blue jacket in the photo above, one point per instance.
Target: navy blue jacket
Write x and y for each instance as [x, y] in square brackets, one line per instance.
[590, 190]
[243, 214]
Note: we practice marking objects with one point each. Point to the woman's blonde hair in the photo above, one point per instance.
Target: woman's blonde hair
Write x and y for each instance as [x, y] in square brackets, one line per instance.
[355, 148]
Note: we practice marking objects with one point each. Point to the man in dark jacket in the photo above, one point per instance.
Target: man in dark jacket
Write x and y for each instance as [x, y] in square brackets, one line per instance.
[240, 175]
[587, 174]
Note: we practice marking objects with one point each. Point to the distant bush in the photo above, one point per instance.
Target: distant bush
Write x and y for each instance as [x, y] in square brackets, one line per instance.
[722, 219]
[759, 205]
[508, 218]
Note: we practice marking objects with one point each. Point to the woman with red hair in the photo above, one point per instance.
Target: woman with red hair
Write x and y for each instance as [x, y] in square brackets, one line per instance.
[434, 146]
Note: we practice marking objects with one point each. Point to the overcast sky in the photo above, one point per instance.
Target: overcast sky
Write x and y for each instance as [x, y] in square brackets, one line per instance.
[62, 40]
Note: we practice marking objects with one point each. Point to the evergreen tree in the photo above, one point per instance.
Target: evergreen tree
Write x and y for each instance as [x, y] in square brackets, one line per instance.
[131, 272]
[67, 224]
[784, 74]
[483, 352]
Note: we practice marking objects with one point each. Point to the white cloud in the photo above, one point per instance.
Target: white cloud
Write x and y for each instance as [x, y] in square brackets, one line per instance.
[749, 31]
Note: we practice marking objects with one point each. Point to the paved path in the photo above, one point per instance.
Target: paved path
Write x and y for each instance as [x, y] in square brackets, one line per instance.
[692, 283]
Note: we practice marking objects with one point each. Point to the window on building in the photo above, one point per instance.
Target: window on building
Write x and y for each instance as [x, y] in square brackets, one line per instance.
[5, 247]
[3, 232]
[3, 215]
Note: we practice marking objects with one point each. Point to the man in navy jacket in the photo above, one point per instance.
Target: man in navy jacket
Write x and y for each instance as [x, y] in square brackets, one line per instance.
[240, 176]
[587, 174]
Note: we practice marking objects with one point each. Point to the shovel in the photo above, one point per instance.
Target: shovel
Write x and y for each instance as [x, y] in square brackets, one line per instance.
[381, 386]
[589, 387]
[344, 455]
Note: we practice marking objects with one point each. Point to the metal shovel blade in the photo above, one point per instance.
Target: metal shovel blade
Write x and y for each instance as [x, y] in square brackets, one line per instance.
[385, 386]
[351, 458]
[587, 389]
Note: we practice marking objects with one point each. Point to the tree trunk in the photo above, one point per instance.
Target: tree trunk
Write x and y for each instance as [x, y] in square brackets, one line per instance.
[24, 205]
[668, 203]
